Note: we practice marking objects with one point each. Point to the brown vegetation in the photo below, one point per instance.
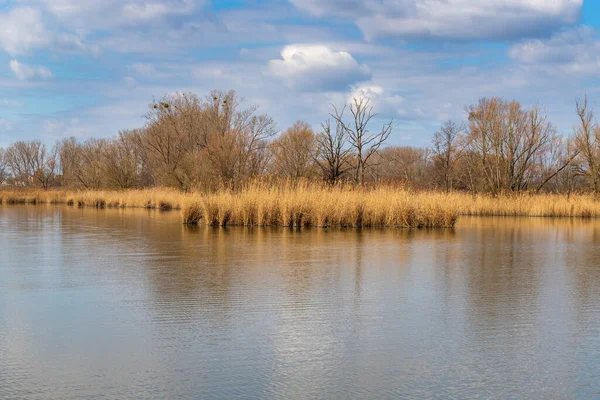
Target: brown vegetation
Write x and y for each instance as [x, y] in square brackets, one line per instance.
[155, 198]
[212, 158]
[306, 203]
[319, 205]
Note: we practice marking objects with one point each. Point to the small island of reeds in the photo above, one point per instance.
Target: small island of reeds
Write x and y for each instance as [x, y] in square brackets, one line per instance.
[315, 204]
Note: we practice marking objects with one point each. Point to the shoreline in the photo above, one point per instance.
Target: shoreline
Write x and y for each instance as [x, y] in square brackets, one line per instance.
[316, 205]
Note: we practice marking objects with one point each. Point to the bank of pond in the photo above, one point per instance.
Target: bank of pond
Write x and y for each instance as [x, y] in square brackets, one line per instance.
[318, 205]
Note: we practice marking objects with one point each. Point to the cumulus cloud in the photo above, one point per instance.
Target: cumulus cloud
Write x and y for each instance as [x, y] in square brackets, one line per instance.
[382, 100]
[311, 67]
[574, 51]
[21, 30]
[451, 19]
[27, 72]
[101, 14]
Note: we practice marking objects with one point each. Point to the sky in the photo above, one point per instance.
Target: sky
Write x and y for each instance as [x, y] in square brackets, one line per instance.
[89, 68]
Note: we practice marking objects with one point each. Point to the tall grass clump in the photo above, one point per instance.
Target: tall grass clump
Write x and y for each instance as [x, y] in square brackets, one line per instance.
[306, 204]
[154, 198]
[528, 205]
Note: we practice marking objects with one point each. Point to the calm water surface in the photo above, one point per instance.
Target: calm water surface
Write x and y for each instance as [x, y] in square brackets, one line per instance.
[131, 304]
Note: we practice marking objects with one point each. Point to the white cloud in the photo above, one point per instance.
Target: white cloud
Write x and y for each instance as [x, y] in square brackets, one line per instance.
[382, 100]
[101, 14]
[12, 103]
[311, 67]
[21, 30]
[26, 72]
[5, 125]
[367, 92]
[144, 69]
[574, 51]
[451, 19]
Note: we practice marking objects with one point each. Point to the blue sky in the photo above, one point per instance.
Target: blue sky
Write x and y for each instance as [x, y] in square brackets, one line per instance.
[90, 68]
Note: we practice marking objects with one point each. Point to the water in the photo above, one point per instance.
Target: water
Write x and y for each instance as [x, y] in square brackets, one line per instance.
[131, 304]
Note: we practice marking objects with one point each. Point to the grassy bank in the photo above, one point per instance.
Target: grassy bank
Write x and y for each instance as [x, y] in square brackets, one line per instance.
[317, 205]
[156, 198]
[269, 205]
[527, 205]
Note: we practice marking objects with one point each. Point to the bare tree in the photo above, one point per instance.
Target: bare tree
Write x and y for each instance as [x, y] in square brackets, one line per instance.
[332, 152]
[174, 131]
[3, 166]
[364, 142]
[448, 146]
[187, 139]
[293, 152]
[556, 165]
[237, 146]
[69, 153]
[509, 141]
[121, 162]
[32, 164]
[408, 165]
[587, 140]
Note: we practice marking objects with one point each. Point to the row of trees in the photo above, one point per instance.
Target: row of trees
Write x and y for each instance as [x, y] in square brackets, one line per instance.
[190, 142]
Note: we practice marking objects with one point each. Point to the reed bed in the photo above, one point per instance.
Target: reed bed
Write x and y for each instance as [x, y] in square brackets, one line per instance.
[527, 205]
[317, 205]
[156, 198]
[314, 204]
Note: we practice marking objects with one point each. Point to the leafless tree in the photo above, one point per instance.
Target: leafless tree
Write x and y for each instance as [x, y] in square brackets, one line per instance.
[32, 163]
[364, 143]
[509, 141]
[587, 140]
[408, 165]
[293, 152]
[187, 139]
[121, 162]
[174, 131]
[3, 166]
[448, 146]
[332, 152]
[69, 153]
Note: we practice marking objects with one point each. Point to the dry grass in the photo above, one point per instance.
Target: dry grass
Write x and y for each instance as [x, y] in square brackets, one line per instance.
[156, 198]
[320, 206]
[527, 205]
[314, 204]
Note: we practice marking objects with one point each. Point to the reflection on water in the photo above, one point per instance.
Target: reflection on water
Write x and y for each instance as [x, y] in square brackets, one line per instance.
[131, 304]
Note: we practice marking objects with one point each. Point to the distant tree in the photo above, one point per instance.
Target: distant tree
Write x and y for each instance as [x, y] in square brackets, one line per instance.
[364, 143]
[32, 163]
[408, 165]
[174, 130]
[238, 139]
[90, 170]
[187, 139]
[587, 141]
[332, 153]
[293, 152]
[121, 162]
[3, 166]
[557, 164]
[69, 153]
[509, 141]
[448, 145]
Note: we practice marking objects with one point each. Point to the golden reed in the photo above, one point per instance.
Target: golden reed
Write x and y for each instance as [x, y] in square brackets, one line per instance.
[318, 205]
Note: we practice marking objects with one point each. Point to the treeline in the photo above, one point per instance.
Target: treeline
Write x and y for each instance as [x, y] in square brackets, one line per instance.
[189, 142]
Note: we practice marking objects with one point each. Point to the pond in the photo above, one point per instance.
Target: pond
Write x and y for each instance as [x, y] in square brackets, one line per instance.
[132, 304]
